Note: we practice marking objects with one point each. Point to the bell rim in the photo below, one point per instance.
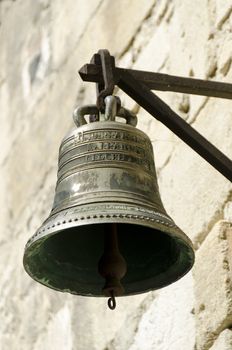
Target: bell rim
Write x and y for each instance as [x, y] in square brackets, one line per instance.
[170, 229]
[53, 224]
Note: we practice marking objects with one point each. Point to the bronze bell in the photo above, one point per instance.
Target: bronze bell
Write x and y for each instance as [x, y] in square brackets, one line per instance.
[107, 200]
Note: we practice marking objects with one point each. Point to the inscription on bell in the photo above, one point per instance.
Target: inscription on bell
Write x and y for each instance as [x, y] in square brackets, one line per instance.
[106, 151]
[102, 157]
[116, 146]
[118, 157]
[110, 135]
[88, 148]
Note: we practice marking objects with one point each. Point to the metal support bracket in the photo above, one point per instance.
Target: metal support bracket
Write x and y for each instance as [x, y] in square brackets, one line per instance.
[105, 87]
[137, 84]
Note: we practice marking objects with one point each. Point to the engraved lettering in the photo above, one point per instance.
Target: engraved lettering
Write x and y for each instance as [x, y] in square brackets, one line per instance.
[101, 135]
[112, 146]
[105, 145]
[114, 134]
[99, 156]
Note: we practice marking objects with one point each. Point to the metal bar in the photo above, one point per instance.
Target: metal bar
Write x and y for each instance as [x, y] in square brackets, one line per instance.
[163, 82]
[107, 64]
[158, 109]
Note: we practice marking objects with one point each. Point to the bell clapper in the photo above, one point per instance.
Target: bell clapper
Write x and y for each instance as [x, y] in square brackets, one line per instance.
[112, 265]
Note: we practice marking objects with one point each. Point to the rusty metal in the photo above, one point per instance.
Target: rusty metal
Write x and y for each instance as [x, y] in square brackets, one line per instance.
[161, 82]
[106, 178]
[137, 85]
[105, 87]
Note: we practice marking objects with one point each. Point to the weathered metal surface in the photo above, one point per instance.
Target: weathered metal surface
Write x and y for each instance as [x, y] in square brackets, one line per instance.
[106, 176]
[106, 87]
[162, 82]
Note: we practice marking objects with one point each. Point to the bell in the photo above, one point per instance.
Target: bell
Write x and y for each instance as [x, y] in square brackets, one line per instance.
[107, 220]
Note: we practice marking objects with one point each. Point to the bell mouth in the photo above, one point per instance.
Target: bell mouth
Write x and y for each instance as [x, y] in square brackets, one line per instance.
[67, 260]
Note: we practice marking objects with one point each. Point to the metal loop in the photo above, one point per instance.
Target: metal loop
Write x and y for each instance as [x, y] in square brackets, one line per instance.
[111, 103]
[80, 112]
[131, 118]
[113, 109]
[111, 301]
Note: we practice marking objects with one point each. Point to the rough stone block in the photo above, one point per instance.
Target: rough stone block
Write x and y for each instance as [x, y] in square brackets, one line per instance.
[184, 180]
[224, 341]
[74, 16]
[190, 29]
[160, 320]
[225, 53]
[223, 11]
[58, 332]
[108, 23]
[156, 52]
[163, 140]
[213, 286]
[228, 211]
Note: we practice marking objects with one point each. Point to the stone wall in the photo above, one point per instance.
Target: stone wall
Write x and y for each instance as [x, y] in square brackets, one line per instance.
[43, 44]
